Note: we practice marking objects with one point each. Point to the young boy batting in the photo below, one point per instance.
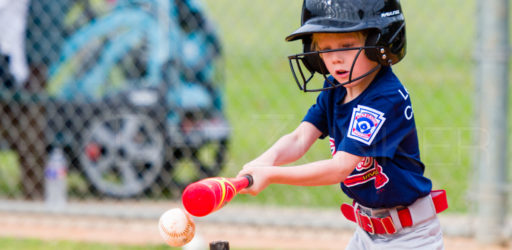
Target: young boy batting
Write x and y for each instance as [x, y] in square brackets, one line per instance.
[367, 114]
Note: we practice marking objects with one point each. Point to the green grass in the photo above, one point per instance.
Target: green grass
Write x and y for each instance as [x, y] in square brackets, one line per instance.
[7, 243]
[9, 174]
[33, 244]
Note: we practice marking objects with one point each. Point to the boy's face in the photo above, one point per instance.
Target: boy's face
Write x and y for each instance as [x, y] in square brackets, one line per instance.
[339, 63]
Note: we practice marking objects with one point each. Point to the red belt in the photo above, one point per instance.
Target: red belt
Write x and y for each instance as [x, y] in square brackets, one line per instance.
[375, 225]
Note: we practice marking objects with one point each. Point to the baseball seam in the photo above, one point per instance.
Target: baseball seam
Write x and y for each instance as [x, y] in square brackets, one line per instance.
[185, 232]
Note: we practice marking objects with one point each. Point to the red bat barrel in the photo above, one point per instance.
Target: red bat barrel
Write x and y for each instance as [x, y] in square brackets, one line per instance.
[208, 195]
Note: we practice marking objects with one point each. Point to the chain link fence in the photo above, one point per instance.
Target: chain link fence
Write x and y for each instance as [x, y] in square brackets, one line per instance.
[127, 90]
[142, 97]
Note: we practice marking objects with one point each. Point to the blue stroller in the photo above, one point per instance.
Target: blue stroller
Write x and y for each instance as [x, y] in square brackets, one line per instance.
[137, 90]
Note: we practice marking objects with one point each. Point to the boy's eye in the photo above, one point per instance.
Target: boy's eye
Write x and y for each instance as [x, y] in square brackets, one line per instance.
[343, 46]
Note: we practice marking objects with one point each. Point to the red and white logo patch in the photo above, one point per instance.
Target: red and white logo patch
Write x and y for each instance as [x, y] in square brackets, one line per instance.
[365, 124]
[365, 163]
[332, 146]
[375, 173]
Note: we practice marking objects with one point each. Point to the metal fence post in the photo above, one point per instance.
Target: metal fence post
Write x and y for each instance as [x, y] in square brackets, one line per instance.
[492, 66]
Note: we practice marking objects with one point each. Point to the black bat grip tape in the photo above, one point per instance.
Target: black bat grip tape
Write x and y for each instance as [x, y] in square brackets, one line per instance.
[249, 178]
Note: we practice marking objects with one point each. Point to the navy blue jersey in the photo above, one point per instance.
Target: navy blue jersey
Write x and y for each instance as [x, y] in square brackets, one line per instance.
[378, 125]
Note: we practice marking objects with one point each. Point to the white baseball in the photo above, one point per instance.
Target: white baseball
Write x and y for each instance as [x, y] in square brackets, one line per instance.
[176, 227]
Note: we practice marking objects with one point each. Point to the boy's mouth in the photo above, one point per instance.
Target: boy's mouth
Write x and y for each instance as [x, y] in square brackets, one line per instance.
[342, 73]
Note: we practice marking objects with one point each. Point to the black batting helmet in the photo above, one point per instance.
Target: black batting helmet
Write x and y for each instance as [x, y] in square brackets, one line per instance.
[382, 19]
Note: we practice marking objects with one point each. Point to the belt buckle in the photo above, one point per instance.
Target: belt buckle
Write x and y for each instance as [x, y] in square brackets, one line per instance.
[365, 222]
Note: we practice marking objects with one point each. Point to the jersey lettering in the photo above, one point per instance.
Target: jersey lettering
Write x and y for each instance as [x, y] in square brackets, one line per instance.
[408, 113]
[375, 173]
[408, 110]
[405, 96]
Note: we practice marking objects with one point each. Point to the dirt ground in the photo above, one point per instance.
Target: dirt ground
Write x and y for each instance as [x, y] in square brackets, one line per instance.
[145, 232]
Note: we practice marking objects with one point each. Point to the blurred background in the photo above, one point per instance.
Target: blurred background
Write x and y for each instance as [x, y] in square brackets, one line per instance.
[109, 108]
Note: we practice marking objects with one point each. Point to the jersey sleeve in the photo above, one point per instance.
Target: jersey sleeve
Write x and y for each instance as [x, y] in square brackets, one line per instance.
[317, 114]
[378, 125]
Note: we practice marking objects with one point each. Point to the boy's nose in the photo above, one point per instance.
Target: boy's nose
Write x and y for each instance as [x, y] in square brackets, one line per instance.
[337, 57]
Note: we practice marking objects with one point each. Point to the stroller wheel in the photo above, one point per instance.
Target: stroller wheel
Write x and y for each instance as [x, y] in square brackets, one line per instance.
[122, 155]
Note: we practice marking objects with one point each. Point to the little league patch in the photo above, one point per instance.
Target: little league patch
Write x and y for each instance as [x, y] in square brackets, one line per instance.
[365, 124]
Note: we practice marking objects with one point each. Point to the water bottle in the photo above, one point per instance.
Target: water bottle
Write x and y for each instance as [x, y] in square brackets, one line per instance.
[55, 175]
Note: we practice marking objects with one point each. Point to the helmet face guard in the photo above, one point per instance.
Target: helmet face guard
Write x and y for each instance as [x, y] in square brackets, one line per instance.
[385, 42]
[312, 62]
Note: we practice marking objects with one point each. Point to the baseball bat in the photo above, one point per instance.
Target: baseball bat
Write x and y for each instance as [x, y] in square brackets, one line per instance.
[209, 195]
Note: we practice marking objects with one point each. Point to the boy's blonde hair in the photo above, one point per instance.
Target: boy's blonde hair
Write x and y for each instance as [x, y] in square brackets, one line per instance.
[363, 34]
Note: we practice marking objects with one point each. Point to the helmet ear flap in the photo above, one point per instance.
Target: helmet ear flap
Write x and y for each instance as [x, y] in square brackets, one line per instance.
[380, 51]
[313, 61]
[372, 40]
